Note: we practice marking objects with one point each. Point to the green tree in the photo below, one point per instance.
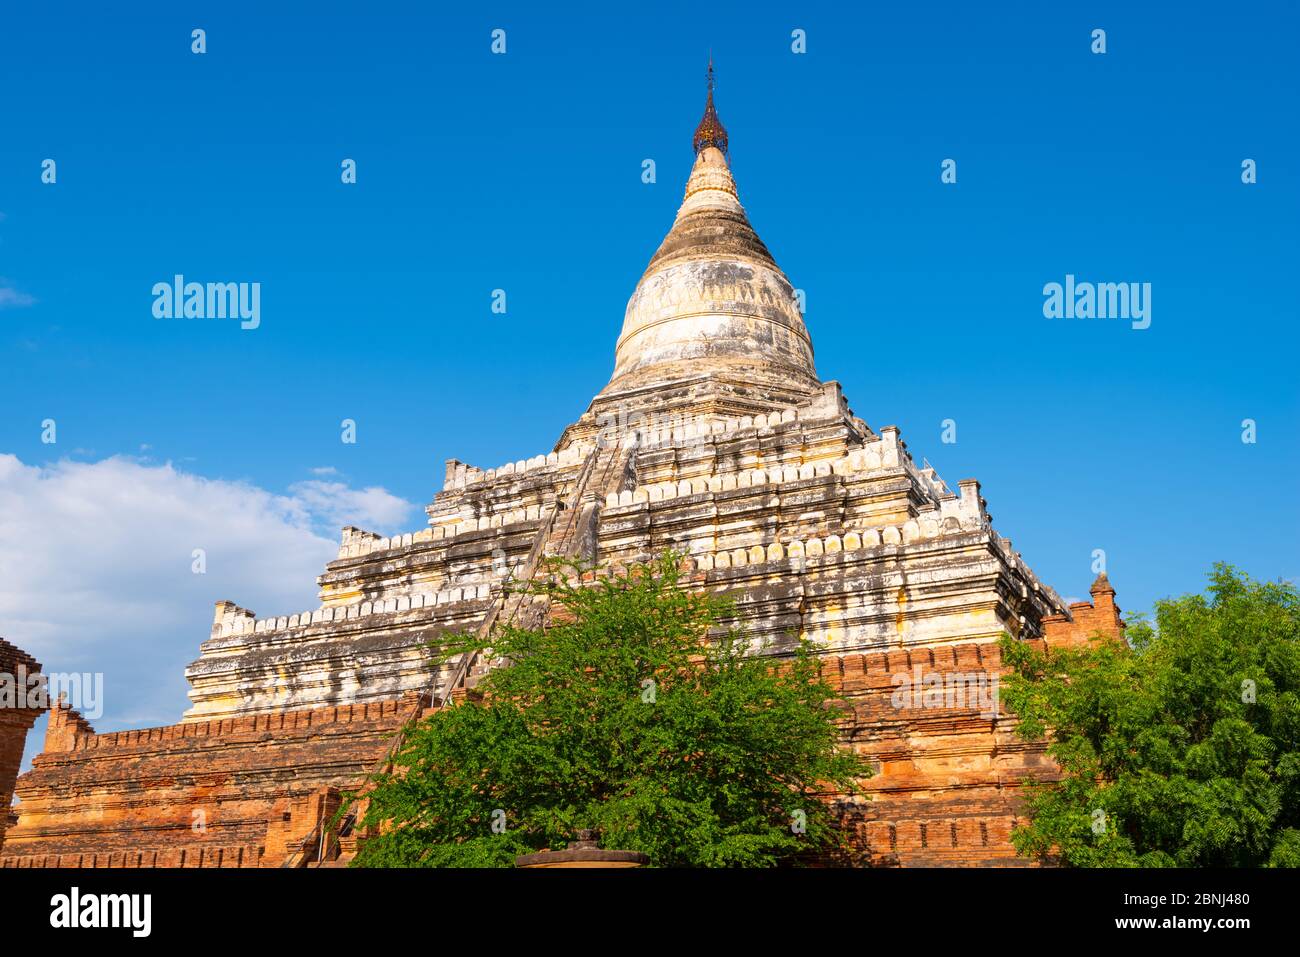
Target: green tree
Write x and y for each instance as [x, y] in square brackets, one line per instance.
[1178, 749]
[632, 713]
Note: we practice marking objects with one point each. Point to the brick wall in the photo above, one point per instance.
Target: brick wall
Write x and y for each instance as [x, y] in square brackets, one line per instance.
[946, 791]
[1101, 616]
[15, 722]
[233, 793]
[948, 782]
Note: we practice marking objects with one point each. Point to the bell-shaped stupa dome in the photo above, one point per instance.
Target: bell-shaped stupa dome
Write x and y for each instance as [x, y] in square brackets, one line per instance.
[712, 300]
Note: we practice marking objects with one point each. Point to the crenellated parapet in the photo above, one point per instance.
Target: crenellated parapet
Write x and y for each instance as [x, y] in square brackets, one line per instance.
[358, 544]
[882, 456]
[246, 624]
[459, 475]
[1087, 621]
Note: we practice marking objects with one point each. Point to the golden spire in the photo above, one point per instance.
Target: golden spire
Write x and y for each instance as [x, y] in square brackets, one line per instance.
[710, 132]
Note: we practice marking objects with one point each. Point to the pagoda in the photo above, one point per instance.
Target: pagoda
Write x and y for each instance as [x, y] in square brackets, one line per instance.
[715, 437]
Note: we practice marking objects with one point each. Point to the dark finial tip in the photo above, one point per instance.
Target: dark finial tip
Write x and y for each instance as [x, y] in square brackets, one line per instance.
[710, 132]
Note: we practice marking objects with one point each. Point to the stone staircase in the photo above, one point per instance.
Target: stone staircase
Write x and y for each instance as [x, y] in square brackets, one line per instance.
[569, 532]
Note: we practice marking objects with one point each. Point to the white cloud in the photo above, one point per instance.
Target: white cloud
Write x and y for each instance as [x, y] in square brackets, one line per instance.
[9, 296]
[95, 566]
[337, 504]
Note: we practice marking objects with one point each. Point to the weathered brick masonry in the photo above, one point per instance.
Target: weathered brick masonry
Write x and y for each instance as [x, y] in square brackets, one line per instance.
[947, 783]
[233, 792]
[714, 436]
[15, 721]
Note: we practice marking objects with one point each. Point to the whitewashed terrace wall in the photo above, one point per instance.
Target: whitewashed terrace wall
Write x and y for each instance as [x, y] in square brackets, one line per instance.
[926, 528]
[885, 453]
[459, 475]
[861, 461]
[360, 543]
[245, 624]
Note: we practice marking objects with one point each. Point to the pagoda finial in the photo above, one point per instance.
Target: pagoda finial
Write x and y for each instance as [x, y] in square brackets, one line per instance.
[710, 132]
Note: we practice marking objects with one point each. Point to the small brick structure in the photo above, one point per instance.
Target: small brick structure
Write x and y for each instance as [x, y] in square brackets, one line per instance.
[1101, 616]
[16, 666]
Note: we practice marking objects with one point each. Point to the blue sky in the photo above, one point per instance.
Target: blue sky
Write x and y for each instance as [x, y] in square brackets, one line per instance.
[523, 172]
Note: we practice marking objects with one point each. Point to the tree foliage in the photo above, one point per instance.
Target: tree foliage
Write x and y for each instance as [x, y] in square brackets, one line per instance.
[631, 713]
[1178, 749]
